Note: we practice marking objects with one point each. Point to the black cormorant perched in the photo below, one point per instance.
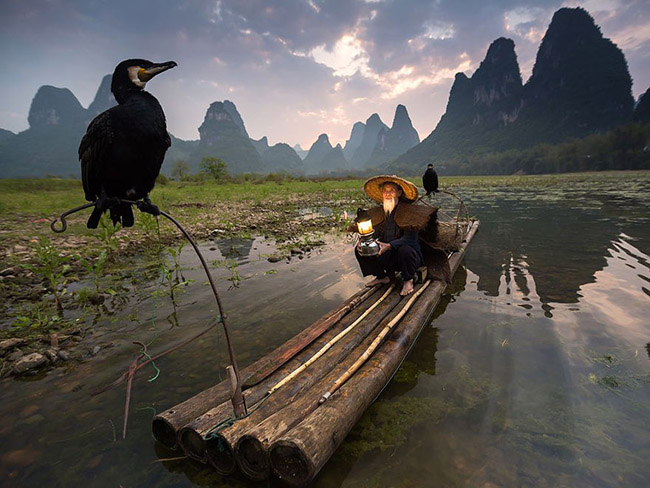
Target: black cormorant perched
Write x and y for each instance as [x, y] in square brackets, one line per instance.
[430, 180]
[124, 147]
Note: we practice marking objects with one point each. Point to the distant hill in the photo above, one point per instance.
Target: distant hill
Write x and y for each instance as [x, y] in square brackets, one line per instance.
[49, 147]
[300, 151]
[222, 135]
[394, 141]
[323, 158]
[261, 145]
[282, 158]
[642, 109]
[580, 85]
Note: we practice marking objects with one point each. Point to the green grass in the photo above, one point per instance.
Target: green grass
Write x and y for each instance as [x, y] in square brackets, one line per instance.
[47, 198]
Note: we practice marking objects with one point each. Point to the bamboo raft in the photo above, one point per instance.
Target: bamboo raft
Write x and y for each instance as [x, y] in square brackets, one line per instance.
[305, 396]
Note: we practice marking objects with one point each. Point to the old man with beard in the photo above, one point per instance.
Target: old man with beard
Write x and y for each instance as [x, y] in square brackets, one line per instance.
[398, 223]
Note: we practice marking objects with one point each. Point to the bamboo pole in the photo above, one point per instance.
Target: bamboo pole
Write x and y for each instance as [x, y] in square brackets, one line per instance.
[331, 343]
[298, 455]
[165, 426]
[252, 447]
[373, 347]
[273, 362]
[217, 450]
[294, 391]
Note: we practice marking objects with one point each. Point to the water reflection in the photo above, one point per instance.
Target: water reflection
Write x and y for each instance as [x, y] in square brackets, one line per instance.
[538, 380]
[531, 373]
[235, 248]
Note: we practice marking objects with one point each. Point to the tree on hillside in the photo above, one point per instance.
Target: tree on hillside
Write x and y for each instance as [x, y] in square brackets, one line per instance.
[180, 170]
[213, 168]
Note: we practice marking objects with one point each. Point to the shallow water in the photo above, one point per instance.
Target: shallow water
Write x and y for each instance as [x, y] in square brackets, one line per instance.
[535, 370]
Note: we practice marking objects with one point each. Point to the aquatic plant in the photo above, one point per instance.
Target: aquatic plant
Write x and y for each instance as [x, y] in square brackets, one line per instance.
[36, 317]
[95, 268]
[106, 234]
[52, 267]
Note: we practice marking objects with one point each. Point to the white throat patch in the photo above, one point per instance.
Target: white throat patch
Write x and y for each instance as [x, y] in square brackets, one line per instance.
[133, 76]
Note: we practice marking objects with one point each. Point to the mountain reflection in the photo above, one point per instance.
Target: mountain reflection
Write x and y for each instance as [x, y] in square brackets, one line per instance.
[565, 238]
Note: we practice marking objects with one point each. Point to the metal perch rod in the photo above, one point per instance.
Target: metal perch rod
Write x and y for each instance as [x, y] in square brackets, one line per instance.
[239, 405]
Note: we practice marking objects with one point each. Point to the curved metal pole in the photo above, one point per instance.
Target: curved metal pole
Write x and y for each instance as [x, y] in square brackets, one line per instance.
[238, 399]
[64, 224]
[239, 404]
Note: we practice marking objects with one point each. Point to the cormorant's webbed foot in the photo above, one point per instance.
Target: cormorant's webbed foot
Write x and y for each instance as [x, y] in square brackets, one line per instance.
[146, 206]
[102, 204]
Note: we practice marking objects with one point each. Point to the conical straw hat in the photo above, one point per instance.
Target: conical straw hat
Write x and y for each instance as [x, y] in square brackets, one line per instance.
[372, 187]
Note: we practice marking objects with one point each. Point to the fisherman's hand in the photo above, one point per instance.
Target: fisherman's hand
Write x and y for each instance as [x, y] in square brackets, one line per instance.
[383, 247]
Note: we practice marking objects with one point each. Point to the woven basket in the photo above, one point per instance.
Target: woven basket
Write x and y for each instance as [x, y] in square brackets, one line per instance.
[451, 235]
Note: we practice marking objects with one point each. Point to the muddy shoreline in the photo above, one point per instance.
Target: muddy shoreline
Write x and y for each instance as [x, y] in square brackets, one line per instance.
[37, 334]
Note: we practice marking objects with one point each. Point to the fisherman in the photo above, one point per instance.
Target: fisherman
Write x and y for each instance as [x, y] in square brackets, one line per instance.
[397, 222]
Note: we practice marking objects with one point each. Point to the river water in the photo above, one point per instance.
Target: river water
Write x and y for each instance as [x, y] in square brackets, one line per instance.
[535, 370]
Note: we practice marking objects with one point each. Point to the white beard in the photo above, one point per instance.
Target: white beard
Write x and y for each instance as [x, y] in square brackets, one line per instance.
[389, 205]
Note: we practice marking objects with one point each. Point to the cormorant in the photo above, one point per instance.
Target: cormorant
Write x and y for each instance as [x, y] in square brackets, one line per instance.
[430, 180]
[124, 147]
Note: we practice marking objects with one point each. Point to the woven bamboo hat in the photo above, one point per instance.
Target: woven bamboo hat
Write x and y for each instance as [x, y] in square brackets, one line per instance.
[372, 187]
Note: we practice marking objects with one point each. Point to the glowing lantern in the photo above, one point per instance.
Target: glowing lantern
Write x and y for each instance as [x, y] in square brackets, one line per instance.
[367, 245]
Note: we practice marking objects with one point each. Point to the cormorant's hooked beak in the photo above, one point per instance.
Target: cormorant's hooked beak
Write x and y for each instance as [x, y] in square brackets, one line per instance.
[145, 75]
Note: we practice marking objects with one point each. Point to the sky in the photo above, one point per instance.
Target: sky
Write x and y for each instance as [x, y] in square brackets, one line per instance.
[294, 68]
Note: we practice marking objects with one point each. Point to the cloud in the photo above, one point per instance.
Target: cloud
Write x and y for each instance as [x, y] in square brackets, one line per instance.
[528, 23]
[345, 58]
[338, 60]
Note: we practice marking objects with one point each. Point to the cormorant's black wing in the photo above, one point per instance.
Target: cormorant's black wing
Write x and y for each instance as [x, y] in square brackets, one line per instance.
[94, 152]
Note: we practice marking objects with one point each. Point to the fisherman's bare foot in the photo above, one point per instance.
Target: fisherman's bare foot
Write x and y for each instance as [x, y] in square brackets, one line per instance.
[378, 281]
[407, 289]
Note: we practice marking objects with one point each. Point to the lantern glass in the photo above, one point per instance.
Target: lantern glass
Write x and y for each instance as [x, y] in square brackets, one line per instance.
[365, 227]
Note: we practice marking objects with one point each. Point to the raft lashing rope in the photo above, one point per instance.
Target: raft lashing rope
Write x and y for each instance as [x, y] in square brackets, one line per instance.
[229, 421]
[212, 433]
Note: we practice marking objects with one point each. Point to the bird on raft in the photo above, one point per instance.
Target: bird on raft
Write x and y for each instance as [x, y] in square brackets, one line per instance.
[124, 147]
[430, 180]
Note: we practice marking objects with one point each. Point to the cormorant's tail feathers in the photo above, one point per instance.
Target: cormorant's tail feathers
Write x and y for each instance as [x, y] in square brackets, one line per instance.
[122, 213]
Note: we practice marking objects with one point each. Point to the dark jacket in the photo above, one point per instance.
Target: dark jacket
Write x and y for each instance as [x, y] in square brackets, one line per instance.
[417, 227]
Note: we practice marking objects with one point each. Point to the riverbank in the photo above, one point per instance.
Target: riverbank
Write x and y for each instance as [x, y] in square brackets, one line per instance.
[53, 286]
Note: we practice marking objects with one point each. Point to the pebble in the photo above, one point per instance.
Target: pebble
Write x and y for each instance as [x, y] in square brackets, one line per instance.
[10, 344]
[96, 350]
[29, 362]
[15, 355]
[64, 355]
[52, 355]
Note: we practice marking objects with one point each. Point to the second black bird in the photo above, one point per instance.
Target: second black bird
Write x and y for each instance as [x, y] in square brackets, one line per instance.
[124, 147]
[430, 180]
